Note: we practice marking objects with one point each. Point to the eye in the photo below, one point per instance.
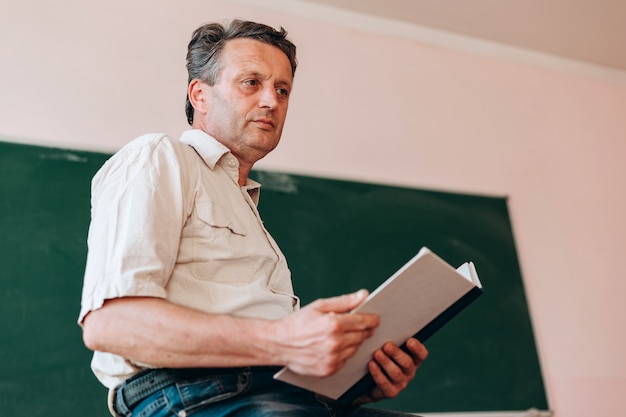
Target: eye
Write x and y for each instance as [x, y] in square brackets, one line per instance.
[251, 82]
[283, 92]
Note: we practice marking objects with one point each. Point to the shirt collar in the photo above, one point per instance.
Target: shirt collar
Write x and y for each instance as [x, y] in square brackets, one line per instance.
[209, 149]
[254, 190]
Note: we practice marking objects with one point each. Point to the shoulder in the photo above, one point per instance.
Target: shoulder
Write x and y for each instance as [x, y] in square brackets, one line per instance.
[148, 141]
[143, 155]
[151, 147]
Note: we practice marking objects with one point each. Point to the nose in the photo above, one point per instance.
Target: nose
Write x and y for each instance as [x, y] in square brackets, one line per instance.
[268, 97]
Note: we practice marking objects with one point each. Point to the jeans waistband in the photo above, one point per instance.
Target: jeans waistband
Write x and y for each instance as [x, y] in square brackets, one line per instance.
[149, 381]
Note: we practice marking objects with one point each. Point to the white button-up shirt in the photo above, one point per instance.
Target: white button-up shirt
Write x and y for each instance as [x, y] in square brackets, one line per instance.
[169, 220]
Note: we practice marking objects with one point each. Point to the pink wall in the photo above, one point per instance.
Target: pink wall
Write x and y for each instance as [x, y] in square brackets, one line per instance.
[380, 108]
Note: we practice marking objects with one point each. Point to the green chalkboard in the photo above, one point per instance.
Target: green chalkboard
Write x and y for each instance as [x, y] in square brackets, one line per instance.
[337, 235]
[44, 216]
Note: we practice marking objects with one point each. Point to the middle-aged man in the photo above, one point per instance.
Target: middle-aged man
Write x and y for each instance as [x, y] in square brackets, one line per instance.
[187, 300]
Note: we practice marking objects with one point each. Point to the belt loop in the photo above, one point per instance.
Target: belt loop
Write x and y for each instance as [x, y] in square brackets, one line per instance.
[119, 405]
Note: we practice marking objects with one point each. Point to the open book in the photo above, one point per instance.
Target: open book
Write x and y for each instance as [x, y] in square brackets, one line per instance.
[416, 301]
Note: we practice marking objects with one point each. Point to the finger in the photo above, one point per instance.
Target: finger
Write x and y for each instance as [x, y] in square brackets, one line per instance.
[350, 342]
[402, 359]
[418, 351]
[342, 303]
[356, 323]
[394, 371]
[416, 354]
[385, 387]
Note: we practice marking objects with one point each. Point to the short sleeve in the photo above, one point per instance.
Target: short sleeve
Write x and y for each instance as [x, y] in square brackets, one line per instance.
[137, 216]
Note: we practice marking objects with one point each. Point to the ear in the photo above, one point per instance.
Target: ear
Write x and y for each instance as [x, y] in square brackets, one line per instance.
[197, 96]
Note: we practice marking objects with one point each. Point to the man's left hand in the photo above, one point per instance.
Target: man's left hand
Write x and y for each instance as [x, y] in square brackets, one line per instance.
[393, 369]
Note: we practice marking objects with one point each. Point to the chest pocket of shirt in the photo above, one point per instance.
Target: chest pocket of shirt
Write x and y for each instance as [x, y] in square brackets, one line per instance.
[216, 216]
[218, 238]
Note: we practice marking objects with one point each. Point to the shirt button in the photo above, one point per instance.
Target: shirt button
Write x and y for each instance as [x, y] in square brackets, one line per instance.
[232, 162]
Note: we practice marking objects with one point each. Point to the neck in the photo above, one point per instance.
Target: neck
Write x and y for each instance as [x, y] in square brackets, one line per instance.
[244, 170]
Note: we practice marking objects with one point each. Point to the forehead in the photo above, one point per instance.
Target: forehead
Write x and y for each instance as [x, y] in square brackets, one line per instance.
[245, 54]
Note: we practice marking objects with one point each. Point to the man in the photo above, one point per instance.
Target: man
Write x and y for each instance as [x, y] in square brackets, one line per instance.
[187, 301]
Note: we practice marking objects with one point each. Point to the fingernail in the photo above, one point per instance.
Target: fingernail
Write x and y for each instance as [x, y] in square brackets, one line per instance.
[362, 292]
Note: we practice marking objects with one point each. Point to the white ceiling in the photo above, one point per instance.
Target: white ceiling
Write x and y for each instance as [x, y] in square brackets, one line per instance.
[592, 31]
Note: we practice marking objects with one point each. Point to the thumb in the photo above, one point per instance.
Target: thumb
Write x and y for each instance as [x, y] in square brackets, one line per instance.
[341, 304]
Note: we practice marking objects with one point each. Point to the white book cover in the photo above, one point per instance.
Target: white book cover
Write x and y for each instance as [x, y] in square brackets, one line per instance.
[408, 301]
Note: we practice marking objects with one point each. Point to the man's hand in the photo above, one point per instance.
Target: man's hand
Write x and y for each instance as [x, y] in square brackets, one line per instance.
[318, 339]
[393, 369]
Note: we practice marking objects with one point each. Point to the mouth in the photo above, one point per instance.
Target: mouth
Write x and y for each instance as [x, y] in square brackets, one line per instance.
[264, 123]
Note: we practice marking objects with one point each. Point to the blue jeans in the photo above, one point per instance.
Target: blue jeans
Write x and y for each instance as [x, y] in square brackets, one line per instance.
[241, 394]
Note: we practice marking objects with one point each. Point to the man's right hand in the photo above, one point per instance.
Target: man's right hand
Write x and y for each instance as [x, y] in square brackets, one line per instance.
[318, 339]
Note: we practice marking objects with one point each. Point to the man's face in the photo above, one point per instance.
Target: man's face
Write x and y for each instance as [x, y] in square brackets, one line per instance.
[247, 106]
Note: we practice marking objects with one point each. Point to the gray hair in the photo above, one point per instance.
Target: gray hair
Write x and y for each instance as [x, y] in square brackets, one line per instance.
[207, 43]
